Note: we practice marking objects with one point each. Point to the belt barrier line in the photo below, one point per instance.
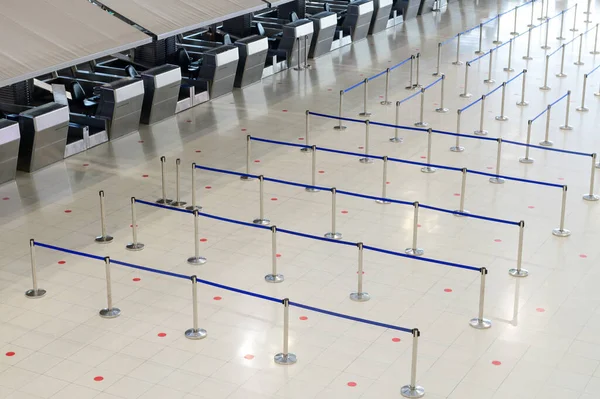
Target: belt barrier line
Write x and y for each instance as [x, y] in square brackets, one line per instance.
[354, 86]
[466, 107]
[403, 255]
[593, 70]
[551, 105]
[410, 97]
[400, 64]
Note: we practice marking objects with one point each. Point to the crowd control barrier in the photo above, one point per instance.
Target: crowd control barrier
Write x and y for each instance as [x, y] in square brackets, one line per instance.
[582, 107]
[421, 122]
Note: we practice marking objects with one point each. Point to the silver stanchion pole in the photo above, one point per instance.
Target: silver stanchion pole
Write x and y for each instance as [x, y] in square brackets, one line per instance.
[413, 390]
[417, 84]
[306, 46]
[134, 245]
[285, 358]
[306, 132]
[509, 68]
[274, 277]
[545, 87]
[497, 41]
[386, 101]
[591, 196]
[479, 322]
[595, 51]
[481, 131]
[583, 108]
[530, 24]
[502, 117]
[541, 18]
[298, 67]
[247, 176]
[579, 62]
[366, 158]
[465, 93]
[261, 219]
[527, 56]
[415, 250]
[428, 168]
[178, 202]
[574, 28]
[397, 139]
[497, 179]
[333, 234]
[421, 123]
[562, 73]
[546, 142]
[458, 61]
[561, 231]
[410, 82]
[195, 332]
[597, 94]
[457, 147]
[526, 159]
[340, 126]
[562, 26]
[519, 271]
[463, 188]
[109, 312]
[365, 95]
[566, 126]
[489, 79]
[163, 199]
[479, 49]
[439, 56]
[359, 295]
[547, 5]
[441, 109]
[35, 292]
[193, 205]
[588, 12]
[383, 200]
[196, 259]
[103, 238]
[514, 31]
[313, 187]
[523, 103]
[545, 46]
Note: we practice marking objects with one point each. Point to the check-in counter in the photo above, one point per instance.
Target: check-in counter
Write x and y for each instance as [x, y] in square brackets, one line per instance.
[95, 130]
[121, 104]
[358, 19]
[43, 136]
[161, 91]
[253, 54]
[296, 33]
[219, 66]
[410, 9]
[324, 25]
[381, 15]
[9, 149]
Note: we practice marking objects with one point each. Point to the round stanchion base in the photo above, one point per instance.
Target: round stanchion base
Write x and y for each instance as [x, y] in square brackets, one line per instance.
[518, 272]
[360, 296]
[428, 169]
[246, 178]
[104, 239]
[195, 334]
[365, 160]
[514, 33]
[274, 278]
[587, 21]
[478, 52]
[566, 127]
[382, 201]
[414, 251]
[421, 124]
[306, 149]
[594, 52]
[455, 148]
[385, 103]
[480, 324]
[508, 69]
[591, 197]
[262, 222]
[489, 81]
[396, 140]
[110, 313]
[461, 214]
[285, 359]
[545, 88]
[138, 246]
[582, 109]
[196, 260]
[457, 63]
[39, 293]
[522, 103]
[497, 180]
[465, 95]
[194, 208]
[333, 236]
[338, 127]
[501, 118]
[546, 143]
[561, 232]
[178, 204]
[435, 74]
[311, 190]
[417, 86]
[497, 42]
[480, 132]
[579, 63]
[561, 38]
[163, 201]
[364, 114]
[412, 392]
[561, 75]
[526, 160]
[597, 94]
[441, 110]
[527, 58]
[545, 47]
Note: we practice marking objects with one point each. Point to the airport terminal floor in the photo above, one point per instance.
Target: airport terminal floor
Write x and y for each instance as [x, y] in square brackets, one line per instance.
[509, 262]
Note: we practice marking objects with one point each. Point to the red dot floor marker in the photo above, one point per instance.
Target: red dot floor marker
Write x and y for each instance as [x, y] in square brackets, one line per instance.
[61, 262]
[278, 255]
[344, 212]
[396, 339]
[352, 383]
[561, 178]
[98, 378]
[162, 335]
[329, 89]
[10, 354]
[303, 318]
[86, 164]
[145, 175]
[189, 121]
[68, 211]
[198, 150]
[418, 225]
[387, 182]
[136, 279]
[203, 239]
[274, 199]
[531, 207]
[137, 225]
[489, 167]
[301, 138]
[496, 362]
[423, 157]
[244, 129]
[540, 310]
[361, 147]
[497, 240]
[257, 161]
[208, 187]
[447, 289]
[217, 298]
[284, 110]
[456, 194]
[249, 357]
[583, 256]
[140, 141]
[321, 171]
[5, 199]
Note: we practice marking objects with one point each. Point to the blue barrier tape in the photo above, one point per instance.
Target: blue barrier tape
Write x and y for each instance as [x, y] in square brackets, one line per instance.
[314, 237]
[467, 136]
[68, 251]
[558, 100]
[471, 215]
[541, 183]
[336, 117]
[417, 129]
[376, 76]
[538, 115]
[289, 183]
[284, 142]
[593, 70]
[449, 40]
[585, 154]
[556, 51]
[229, 172]
[354, 154]
[410, 97]
[354, 86]
[400, 64]
[424, 164]
[239, 291]
[466, 107]
[372, 197]
[420, 258]
[432, 83]
[493, 90]
[478, 58]
[514, 77]
[171, 208]
[149, 269]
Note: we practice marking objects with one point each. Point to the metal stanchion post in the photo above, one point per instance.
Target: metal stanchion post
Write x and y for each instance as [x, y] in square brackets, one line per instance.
[597, 94]
[591, 196]
[479, 49]
[35, 292]
[526, 159]
[298, 67]
[109, 312]
[274, 277]
[306, 131]
[441, 109]
[386, 101]
[463, 188]
[530, 24]
[415, 250]
[359, 295]
[546, 142]
[366, 158]
[497, 179]
[178, 202]
[561, 231]
[333, 234]
[545, 46]
[285, 358]
[383, 199]
[579, 62]
[509, 68]
[541, 18]
[306, 46]
[519, 271]
[312, 188]
[193, 206]
[261, 219]
[428, 168]
[523, 103]
[502, 117]
[410, 82]
[566, 126]
[420, 123]
[562, 73]
[545, 86]
[583, 108]
[134, 245]
[397, 139]
[195, 332]
[479, 322]
[489, 79]
[465, 93]
[458, 61]
[103, 238]
[417, 84]
[339, 126]
[588, 12]
[547, 6]
[481, 131]
[562, 26]
[497, 41]
[514, 32]
[527, 56]
[457, 147]
[247, 176]
[439, 56]
[574, 28]
[163, 199]
[413, 390]
[196, 259]
[365, 95]
[595, 51]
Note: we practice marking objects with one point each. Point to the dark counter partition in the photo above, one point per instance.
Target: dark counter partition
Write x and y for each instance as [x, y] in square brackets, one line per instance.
[161, 92]
[9, 149]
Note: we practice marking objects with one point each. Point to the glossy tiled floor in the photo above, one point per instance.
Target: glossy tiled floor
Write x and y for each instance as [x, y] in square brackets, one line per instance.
[544, 339]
